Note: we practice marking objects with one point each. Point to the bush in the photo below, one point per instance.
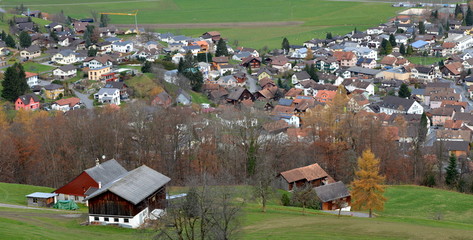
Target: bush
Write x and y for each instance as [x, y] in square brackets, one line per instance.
[285, 200]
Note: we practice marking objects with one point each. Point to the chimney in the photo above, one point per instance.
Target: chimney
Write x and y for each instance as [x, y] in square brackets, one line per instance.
[97, 162]
[100, 185]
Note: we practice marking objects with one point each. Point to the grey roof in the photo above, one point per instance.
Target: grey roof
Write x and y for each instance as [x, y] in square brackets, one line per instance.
[394, 102]
[27, 97]
[332, 191]
[124, 43]
[365, 71]
[53, 86]
[108, 91]
[41, 195]
[67, 68]
[106, 172]
[135, 185]
[302, 75]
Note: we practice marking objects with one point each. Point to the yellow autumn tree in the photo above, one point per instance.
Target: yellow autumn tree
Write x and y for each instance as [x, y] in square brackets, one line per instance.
[367, 188]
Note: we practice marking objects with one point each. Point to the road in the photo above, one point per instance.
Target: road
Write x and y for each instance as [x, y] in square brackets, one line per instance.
[346, 213]
[463, 92]
[26, 207]
[89, 104]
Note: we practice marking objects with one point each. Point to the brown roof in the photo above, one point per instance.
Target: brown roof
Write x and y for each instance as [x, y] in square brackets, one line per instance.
[308, 173]
[30, 74]
[454, 67]
[388, 60]
[275, 126]
[344, 55]
[448, 45]
[293, 92]
[453, 124]
[68, 101]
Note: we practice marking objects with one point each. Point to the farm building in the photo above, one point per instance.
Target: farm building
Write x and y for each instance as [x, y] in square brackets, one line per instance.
[298, 177]
[129, 200]
[40, 199]
[333, 196]
[90, 179]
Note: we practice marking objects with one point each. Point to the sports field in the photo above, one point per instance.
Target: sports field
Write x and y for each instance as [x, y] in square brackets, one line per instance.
[298, 20]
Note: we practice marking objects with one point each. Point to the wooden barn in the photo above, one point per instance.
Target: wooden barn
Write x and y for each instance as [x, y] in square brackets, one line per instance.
[298, 177]
[90, 180]
[333, 196]
[129, 200]
[40, 199]
[239, 94]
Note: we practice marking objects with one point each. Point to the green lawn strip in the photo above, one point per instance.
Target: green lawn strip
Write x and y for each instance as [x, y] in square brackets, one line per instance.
[198, 98]
[425, 60]
[15, 193]
[36, 67]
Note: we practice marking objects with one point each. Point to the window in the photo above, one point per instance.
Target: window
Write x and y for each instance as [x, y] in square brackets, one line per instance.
[126, 220]
[66, 197]
[76, 198]
[106, 219]
[115, 219]
[35, 200]
[96, 218]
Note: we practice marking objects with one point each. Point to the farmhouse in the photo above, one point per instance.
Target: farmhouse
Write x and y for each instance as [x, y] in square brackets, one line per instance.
[31, 79]
[39, 199]
[90, 179]
[129, 200]
[298, 177]
[393, 104]
[31, 52]
[333, 196]
[28, 102]
[96, 74]
[66, 104]
[64, 72]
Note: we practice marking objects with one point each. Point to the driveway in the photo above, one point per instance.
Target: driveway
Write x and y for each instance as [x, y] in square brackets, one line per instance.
[353, 214]
[26, 207]
[89, 104]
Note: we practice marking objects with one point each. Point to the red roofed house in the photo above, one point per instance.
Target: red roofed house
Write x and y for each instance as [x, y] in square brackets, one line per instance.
[66, 104]
[27, 101]
[91, 180]
[31, 79]
[325, 96]
[298, 177]
[346, 59]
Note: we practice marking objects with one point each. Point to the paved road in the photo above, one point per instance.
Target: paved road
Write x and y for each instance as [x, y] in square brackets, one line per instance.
[353, 214]
[89, 104]
[25, 207]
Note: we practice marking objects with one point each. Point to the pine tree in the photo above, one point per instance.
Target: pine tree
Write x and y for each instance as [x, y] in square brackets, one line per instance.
[285, 45]
[388, 48]
[14, 82]
[221, 48]
[104, 20]
[410, 50]
[367, 189]
[423, 128]
[421, 28]
[402, 49]
[458, 10]
[10, 42]
[392, 40]
[329, 36]
[404, 91]
[25, 39]
[146, 68]
[469, 17]
[4, 35]
[54, 36]
[452, 173]
[382, 47]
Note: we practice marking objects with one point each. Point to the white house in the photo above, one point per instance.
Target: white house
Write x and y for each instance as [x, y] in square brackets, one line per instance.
[300, 76]
[462, 41]
[65, 57]
[177, 57]
[66, 104]
[122, 47]
[299, 53]
[363, 52]
[108, 95]
[64, 72]
[31, 79]
[170, 76]
[393, 104]
[98, 62]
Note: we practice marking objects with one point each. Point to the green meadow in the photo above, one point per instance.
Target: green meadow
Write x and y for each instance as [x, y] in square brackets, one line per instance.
[313, 17]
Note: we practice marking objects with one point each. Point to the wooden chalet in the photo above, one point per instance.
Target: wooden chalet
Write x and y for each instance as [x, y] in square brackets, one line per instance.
[333, 196]
[298, 177]
[251, 62]
[129, 200]
[237, 95]
[90, 179]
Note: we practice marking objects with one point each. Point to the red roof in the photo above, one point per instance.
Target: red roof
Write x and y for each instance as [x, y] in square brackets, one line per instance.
[30, 74]
[68, 101]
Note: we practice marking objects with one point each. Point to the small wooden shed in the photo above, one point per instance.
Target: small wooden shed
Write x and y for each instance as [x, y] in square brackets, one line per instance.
[40, 199]
[333, 196]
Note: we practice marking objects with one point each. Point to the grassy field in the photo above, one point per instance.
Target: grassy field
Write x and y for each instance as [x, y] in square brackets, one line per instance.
[408, 214]
[144, 85]
[314, 17]
[425, 60]
[36, 67]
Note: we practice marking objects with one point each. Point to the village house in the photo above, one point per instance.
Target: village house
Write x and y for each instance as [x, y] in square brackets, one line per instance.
[53, 91]
[28, 101]
[96, 74]
[31, 52]
[108, 96]
[98, 61]
[345, 59]
[298, 177]
[122, 47]
[393, 104]
[130, 199]
[64, 72]
[162, 99]
[424, 73]
[66, 104]
[31, 79]
[65, 57]
[300, 76]
[90, 180]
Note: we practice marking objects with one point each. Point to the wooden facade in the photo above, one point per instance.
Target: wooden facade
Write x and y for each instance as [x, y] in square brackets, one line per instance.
[78, 186]
[110, 204]
[332, 205]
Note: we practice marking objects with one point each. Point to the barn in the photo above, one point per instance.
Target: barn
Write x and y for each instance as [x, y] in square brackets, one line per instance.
[129, 200]
[90, 180]
[333, 196]
[298, 177]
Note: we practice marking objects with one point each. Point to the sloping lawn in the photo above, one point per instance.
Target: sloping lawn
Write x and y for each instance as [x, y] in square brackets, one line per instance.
[198, 97]
[15, 193]
[425, 60]
[36, 67]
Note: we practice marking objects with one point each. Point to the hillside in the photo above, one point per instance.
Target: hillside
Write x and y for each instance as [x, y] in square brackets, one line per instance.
[252, 23]
[409, 214]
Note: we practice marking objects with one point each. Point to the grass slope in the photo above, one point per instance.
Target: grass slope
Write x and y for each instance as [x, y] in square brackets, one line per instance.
[15, 193]
[425, 60]
[37, 67]
[318, 16]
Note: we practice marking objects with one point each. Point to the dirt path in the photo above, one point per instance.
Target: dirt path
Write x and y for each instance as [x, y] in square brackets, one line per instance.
[212, 25]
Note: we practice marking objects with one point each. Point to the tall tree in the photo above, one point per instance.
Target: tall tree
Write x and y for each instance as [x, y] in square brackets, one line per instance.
[285, 45]
[452, 173]
[10, 42]
[421, 27]
[104, 20]
[329, 36]
[458, 10]
[14, 82]
[469, 17]
[367, 189]
[392, 40]
[410, 50]
[402, 49]
[221, 48]
[146, 68]
[404, 91]
[310, 55]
